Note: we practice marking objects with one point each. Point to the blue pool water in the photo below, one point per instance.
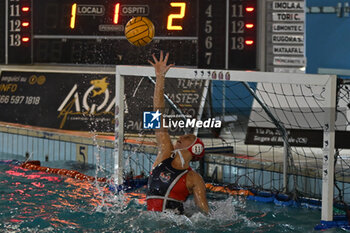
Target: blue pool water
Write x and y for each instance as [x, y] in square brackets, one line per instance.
[34, 201]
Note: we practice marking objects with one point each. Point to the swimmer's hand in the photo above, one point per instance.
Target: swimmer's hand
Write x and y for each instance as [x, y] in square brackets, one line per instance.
[160, 66]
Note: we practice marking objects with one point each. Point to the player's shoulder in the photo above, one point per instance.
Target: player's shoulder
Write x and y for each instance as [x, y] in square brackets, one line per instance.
[194, 175]
[194, 179]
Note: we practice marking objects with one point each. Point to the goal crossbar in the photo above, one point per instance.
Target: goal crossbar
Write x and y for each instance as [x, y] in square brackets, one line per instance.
[244, 76]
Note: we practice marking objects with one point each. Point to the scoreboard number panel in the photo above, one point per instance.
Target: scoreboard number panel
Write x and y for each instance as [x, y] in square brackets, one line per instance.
[108, 17]
[211, 42]
[2, 32]
[242, 33]
[18, 30]
[198, 33]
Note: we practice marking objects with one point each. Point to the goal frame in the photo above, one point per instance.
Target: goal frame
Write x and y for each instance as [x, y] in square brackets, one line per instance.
[328, 81]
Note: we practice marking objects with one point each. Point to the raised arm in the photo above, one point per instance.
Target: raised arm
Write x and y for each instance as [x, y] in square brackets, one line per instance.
[165, 146]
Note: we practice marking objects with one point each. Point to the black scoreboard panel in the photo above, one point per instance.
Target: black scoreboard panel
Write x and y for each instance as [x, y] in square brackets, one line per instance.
[242, 34]
[198, 33]
[92, 32]
[107, 17]
[2, 32]
[106, 51]
[18, 29]
[212, 33]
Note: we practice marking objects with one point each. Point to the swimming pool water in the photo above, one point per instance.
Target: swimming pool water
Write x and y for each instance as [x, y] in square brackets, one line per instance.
[34, 201]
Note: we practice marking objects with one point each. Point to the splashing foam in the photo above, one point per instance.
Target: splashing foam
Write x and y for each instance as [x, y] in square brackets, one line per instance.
[222, 212]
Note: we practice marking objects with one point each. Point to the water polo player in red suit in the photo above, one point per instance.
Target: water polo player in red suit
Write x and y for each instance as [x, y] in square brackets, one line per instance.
[172, 180]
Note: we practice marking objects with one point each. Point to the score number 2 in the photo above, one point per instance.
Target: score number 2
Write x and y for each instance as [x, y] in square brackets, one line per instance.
[180, 15]
[171, 17]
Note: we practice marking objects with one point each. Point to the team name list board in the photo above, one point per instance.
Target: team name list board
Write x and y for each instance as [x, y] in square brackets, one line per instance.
[285, 36]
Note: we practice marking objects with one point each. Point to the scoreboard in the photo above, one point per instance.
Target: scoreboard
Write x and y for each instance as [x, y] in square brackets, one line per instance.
[198, 33]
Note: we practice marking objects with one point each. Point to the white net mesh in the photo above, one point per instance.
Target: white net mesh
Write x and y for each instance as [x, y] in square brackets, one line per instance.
[254, 108]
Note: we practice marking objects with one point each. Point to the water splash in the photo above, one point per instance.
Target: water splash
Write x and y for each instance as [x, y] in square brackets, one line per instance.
[223, 212]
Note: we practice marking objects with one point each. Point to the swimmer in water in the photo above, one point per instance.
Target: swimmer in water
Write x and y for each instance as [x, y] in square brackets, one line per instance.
[172, 180]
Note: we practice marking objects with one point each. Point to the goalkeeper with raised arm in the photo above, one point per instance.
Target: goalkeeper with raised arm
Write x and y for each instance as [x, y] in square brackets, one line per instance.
[172, 180]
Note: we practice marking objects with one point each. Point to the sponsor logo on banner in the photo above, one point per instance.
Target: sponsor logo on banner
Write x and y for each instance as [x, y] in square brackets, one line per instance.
[296, 137]
[289, 61]
[295, 27]
[288, 50]
[288, 39]
[73, 101]
[288, 5]
[288, 17]
[186, 94]
[96, 101]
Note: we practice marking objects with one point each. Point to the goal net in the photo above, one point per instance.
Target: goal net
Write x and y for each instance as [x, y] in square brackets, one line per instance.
[262, 131]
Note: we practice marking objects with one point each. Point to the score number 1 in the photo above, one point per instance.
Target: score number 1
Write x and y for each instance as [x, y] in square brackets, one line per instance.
[171, 17]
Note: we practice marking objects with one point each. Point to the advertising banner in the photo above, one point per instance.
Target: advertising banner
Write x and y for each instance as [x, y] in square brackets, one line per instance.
[58, 100]
[86, 102]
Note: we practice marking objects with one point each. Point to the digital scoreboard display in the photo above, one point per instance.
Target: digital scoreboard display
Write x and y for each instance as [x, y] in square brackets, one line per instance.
[108, 17]
[197, 33]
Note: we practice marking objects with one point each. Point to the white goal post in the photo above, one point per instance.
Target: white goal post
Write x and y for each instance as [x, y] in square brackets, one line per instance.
[327, 81]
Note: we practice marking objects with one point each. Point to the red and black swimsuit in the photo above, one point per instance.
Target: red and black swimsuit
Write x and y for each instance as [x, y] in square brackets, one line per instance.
[167, 188]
